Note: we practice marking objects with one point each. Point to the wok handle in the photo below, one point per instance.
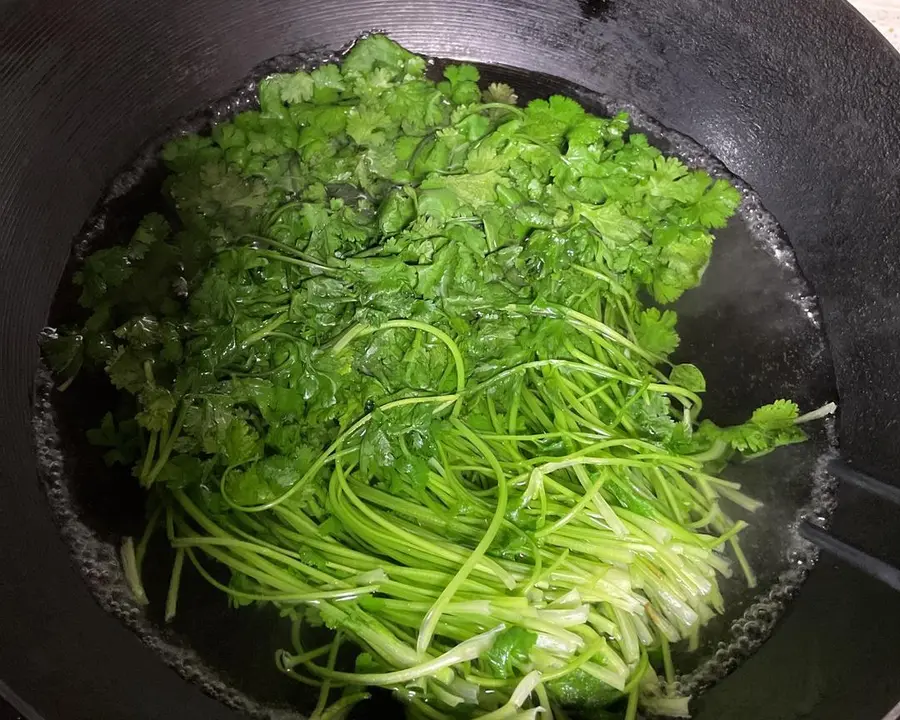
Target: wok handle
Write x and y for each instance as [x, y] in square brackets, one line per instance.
[878, 569]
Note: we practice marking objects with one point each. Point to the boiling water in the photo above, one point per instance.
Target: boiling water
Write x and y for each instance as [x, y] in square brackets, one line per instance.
[753, 326]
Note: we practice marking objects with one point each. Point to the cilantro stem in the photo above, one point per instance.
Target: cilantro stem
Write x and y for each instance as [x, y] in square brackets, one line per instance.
[475, 109]
[297, 597]
[822, 412]
[148, 457]
[585, 500]
[152, 523]
[174, 584]
[593, 650]
[269, 327]
[609, 280]
[429, 622]
[310, 264]
[742, 559]
[667, 659]
[637, 675]
[286, 661]
[131, 571]
[326, 684]
[465, 651]
[166, 450]
[65, 384]
[312, 260]
[339, 707]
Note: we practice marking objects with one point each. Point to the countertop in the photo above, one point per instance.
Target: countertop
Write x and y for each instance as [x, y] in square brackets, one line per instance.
[884, 15]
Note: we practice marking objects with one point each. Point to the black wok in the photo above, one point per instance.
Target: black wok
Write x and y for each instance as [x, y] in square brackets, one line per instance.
[796, 98]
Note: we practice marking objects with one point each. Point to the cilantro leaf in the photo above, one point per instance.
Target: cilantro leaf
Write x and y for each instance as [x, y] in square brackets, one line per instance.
[500, 93]
[715, 206]
[689, 377]
[777, 416]
[458, 74]
[182, 471]
[121, 443]
[378, 52]
[157, 405]
[64, 353]
[770, 427]
[461, 84]
[240, 443]
[582, 690]
[655, 331]
[511, 650]
[127, 371]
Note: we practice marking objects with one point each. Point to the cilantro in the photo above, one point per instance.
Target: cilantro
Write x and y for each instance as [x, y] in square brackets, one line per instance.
[511, 650]
[582, 691]
[240, 443]
[689, 377]
[769, 427]
[461, 84]
[715, 206]
[458, 74]
[328, 76]
[121, 442]
[363, 125]
[779, 415]
[182, 471]
[376, 52]
[64, 353]
[158, 404]
[550, 119]
[291, 88]
[655, 331]
[500, 93]
[127, 371]
[389, 360]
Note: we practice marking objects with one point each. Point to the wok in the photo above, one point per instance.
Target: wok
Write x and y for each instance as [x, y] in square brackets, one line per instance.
[798, 99]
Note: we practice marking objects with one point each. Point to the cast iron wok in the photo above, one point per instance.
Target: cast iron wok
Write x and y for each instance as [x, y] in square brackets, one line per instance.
[797, 98]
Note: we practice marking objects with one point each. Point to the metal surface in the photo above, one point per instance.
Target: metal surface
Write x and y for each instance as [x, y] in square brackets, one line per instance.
[878, 491]
[878, 569]
[797, 98]
[12, 707]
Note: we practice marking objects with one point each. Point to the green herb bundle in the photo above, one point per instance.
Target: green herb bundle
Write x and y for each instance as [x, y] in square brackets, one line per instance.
[386, 360]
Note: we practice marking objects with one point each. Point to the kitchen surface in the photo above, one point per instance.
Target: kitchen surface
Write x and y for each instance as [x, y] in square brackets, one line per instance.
[884, 15]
